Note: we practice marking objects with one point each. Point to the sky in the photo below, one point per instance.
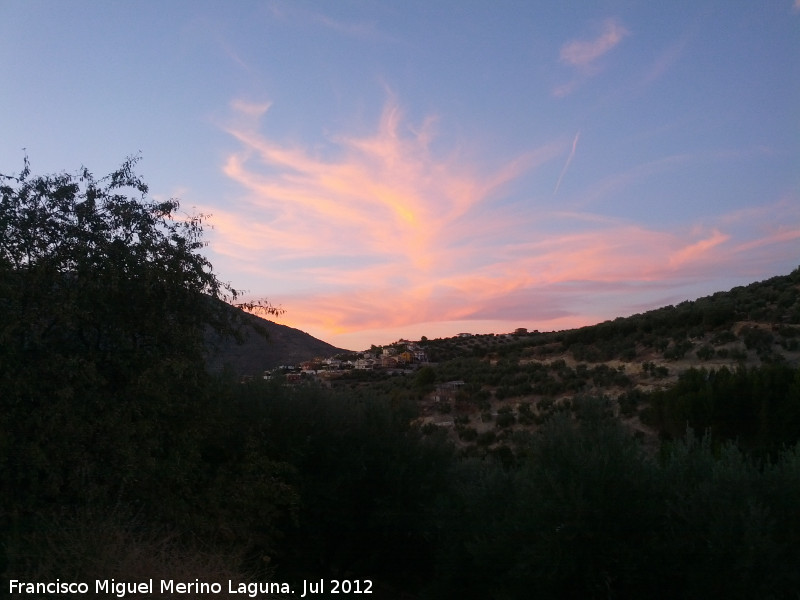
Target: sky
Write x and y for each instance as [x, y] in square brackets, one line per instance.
[398, 169]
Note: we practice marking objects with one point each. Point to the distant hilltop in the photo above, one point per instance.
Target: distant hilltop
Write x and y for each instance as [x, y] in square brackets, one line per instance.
[266, 345]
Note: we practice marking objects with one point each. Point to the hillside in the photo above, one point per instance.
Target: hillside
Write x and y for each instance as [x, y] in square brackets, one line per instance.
[486, 388]
[264, 345]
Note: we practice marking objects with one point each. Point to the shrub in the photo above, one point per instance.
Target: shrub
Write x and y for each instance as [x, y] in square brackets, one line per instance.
[705, 352]
[486, 438]
[505, 417]
[467, 434]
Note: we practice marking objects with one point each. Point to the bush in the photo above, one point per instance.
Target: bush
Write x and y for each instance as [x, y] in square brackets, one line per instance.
[486, 438]
[526, 415]
[723, 337]
[705, 352]
[755, 338]
[505, 418]
[677, 350]
[467, 434]
[660, 372]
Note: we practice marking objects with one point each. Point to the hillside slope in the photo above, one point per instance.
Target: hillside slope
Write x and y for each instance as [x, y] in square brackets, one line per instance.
[265, 345]
[500, 384]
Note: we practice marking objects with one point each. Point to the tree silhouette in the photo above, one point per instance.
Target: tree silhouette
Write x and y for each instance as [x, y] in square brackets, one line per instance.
[105, 303]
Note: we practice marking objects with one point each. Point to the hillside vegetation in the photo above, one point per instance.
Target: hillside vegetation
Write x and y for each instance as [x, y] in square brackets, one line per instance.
[725, 364]
[652, 456]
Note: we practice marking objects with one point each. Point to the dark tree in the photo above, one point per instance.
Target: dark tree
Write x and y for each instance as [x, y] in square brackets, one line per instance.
[105, 303]
[101, 282]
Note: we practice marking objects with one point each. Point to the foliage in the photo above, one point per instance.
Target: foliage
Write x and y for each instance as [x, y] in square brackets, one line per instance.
[759, 407]
[101, 283]
[105, 302]
[586, 513]
[425, 377]
[364, 475]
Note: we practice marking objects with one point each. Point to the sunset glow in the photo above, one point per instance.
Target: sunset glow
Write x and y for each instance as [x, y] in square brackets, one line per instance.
[397, 170]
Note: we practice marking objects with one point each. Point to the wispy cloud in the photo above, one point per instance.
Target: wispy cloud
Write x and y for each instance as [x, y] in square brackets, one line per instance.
[383, 187]
[665, 61]
[252, 110]
[697, 250]
[569, 161]
[584, 53]
[378, 232]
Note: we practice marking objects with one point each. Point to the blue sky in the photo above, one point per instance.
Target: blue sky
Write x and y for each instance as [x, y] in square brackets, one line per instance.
[399, 169]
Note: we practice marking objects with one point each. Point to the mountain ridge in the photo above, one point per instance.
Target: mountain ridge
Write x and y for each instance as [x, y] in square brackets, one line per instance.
[264, 345]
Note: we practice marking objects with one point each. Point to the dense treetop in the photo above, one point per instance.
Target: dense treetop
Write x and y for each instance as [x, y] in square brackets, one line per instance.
[98, 281]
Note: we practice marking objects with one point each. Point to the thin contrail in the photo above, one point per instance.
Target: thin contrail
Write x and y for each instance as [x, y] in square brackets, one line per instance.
[566, 165]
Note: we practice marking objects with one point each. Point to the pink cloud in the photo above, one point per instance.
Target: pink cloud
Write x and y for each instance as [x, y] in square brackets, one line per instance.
[698, 250]
[380, 234]
[384, 187]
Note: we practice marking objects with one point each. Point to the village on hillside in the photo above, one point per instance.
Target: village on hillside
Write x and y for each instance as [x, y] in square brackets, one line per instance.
[398, 358]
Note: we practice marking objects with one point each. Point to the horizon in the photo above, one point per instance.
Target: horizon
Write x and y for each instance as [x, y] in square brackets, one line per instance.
[557, 330]
[385, 171]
